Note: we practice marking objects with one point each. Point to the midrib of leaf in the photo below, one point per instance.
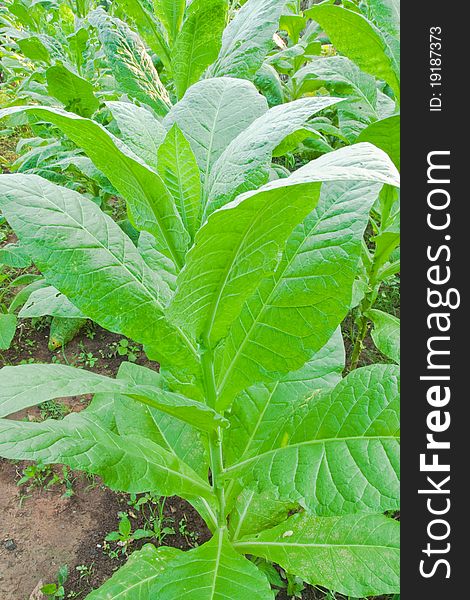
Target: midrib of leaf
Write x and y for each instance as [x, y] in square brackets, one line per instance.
[184, 215]
[321, 441]
[139, 583]
[217, 564]
[279, 275]
[243, 514]
[311, 545]
[133, 277]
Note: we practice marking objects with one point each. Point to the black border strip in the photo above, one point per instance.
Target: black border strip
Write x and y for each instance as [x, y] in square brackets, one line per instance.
[425, 131]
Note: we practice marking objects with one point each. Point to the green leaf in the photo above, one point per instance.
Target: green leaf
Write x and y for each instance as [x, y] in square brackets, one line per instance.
[108, 271]
[386, 333]
[248, 38]
[264, 416]
[130, 63]
[385, 14]
[156, 260]
[240, 243]
[150, 204]
[140, 130]
[170, 13]
[354, 36]
[269, 84]
[7, 330]
[75, 93]
[213, 571]
[178, 169]
[135, 579]
[274, 332]
[28, 385]
[212, 113]
[198, 43]
[244, 165]
[341, 77]
[33, 47]
[149, 28]
[127, 464]
[49, 301]
[356, 555]
[343, 457]
[139, 419]
[13, 255]
[384, 134]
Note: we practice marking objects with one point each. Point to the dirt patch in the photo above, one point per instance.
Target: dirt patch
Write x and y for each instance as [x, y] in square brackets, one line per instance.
[41, 530]
[44, 531]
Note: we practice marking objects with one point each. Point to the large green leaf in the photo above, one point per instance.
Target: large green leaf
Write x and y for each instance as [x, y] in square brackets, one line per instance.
[94, 264]
[265, 415]
[75, 93]
[127, 464]
[49, 301]
[149, 202]
[135, 579]
[312, 285]
[355, 555]
[7, 330]
[354, 36]
[198, 43]
[28, 385]
[130, 62]
[384, 134]
[170, 13]
[386, 333]
[212, 113]
[343, 457]
[248, 39]
[214, 571]
[240, 243]
[139, 129]
[244, 165]
[178, 168]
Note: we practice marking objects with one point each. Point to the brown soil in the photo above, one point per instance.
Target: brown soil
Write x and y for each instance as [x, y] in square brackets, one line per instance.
[41, 530]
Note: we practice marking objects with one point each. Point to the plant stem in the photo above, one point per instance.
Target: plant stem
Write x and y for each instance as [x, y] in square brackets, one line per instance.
[359, 343]
[216, 437]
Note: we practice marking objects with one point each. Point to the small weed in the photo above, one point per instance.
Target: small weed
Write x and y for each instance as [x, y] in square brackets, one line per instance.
[152, 508]
[87, 358]
[51, 409]
[124, 536]
[43, 476]
[125, 349]
[190, 536]
[86, 571]
[56, 590]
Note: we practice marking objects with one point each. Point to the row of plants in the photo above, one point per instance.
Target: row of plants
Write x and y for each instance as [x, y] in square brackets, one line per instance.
[218, 182]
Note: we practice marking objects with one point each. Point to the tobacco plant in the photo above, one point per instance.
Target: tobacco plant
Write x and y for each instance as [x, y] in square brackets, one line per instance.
[235, 276]
[236, 285]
